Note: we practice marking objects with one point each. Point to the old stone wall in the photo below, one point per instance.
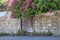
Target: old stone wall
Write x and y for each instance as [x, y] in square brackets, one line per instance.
[47, 22]
[39, 23]
[9, 25]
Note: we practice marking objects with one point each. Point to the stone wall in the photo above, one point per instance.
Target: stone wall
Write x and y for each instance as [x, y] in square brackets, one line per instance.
[39, 23]
[9, 25]
[47, 22]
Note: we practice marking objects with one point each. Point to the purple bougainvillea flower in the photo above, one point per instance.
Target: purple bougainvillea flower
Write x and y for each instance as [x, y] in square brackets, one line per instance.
[7, 7]
[13, 2]
[26, 0]
[24, 6]
[30, 0]
[32, 6]
[10, 3]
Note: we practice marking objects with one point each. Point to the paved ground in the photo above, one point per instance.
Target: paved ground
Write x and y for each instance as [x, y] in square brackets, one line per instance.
[29, 38]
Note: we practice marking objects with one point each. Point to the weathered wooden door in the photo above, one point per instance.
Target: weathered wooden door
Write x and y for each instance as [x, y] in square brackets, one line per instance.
[27, 23]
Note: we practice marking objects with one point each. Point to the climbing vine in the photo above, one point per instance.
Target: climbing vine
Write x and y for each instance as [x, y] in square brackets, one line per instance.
[24, 8]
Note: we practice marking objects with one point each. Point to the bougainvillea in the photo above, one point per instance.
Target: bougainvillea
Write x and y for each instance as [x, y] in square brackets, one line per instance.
[23, 8]
[9, 6]
[20, 7]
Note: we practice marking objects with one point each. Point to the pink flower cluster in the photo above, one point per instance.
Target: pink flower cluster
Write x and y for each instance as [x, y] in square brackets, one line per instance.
[25, 5]
[12, 2]
[26, 2]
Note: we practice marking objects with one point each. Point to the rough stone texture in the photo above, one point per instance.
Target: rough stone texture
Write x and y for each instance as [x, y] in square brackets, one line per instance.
[47, 22]
[9, 25]
[39, 23]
